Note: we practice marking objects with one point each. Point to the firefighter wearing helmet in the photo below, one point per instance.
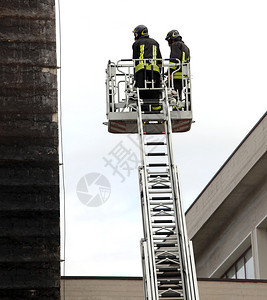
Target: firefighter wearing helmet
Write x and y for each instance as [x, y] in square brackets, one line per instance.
[178, 50]
[145, 47]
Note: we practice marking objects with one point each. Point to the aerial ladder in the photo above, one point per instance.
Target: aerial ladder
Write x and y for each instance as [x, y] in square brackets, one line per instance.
[167, 255]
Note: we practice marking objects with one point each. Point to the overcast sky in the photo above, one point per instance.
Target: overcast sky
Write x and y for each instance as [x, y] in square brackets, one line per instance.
[228, 47]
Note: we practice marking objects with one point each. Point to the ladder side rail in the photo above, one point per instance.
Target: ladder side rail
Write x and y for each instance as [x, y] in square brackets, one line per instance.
[193, 271]
[146, 213]
[184, 273]
[186, 258]
[189, 259]
[142, 195]
[145, 269]
[150, 267]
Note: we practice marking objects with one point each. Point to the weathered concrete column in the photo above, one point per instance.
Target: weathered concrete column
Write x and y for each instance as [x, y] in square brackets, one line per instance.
[29, 175]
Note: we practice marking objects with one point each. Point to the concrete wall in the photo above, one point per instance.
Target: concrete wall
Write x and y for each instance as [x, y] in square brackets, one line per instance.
[221, 290]
[102, 288]
[132, 289]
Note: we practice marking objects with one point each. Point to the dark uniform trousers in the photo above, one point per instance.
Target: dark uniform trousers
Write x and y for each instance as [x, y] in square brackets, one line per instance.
[148, 75]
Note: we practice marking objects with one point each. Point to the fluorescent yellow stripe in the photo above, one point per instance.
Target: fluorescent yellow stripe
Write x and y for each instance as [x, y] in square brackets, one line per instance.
[173, 67]
[154, 54]
[178, 75]
[183, 56]
[155, 68]
[142, 51]
[141, 62]
[156, 107]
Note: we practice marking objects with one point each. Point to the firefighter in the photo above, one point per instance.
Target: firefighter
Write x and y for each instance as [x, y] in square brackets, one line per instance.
[178, 50]
[146, 47]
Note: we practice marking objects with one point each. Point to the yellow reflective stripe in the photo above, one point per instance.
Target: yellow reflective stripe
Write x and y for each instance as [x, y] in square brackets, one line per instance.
[156, 107]
[141, 62]
[155, 68]
[142, 51]
[139, 67]
[154, 54]
[173, 67]
[178, 75]
[183, 56]
[148, 66]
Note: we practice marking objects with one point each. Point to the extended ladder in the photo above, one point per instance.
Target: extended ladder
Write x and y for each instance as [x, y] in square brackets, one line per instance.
[168, 264]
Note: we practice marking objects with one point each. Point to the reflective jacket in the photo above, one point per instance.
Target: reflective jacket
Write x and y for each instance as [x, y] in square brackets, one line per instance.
[181, 51]
[145, 47]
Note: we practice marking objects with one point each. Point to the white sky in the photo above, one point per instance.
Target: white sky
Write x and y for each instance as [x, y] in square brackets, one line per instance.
[228, 47]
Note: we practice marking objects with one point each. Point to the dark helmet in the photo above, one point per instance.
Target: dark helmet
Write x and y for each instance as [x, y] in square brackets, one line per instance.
[140, 30]
[172, 35]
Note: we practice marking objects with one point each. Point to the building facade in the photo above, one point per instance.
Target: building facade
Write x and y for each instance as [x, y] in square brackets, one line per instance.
[228, 221]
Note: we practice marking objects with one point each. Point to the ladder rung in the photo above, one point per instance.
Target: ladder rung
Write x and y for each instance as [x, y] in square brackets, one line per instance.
[170, 281]
[163, 226]
[155, 143]
[167, 255]
[164, 237]
[153, 187]
[170, 286]
[177, 283]
[168, 269]
[161, 209]
[161, 203]
[163, 221]
[173, 298]
[158, 165]
[169, 232]
[160, 198]
[156, 154]
[166, 244]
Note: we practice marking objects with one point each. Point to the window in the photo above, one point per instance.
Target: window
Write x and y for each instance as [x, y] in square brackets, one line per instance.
[243, 268]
